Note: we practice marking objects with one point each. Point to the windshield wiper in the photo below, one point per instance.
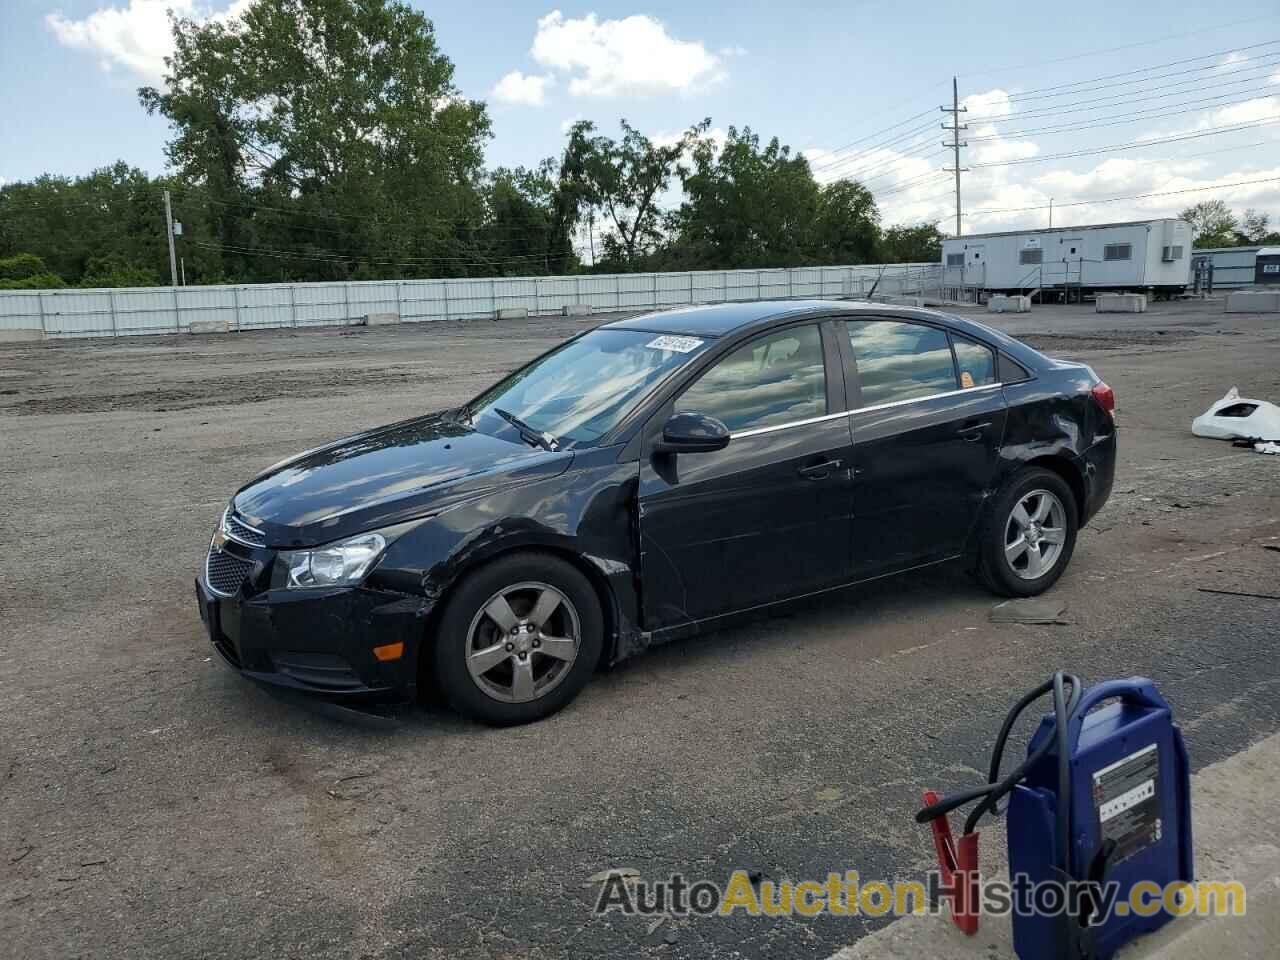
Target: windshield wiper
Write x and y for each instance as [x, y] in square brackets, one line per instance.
[539, 439]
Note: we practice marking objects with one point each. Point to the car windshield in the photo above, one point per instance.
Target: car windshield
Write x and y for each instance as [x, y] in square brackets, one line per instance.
[577, 393]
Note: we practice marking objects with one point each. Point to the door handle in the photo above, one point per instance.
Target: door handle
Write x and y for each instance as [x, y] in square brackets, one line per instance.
[817, 471]
[973, 431]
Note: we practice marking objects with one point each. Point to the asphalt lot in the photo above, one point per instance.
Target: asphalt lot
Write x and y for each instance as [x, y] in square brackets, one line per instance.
[152, 804]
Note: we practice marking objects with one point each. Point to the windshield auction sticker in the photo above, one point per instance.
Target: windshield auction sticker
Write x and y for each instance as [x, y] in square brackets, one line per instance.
[674, 344]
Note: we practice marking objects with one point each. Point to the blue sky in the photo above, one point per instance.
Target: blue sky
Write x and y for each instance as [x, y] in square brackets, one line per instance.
[818, 75]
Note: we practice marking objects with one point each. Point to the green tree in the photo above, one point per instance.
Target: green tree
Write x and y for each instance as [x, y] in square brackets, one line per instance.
[625, 179]
[327, 128]
[745, 206]
[1212, 224]
[116, 210]
[113, 271]
[751, 206]
[26, 271]
[921, 243]
[848, 226]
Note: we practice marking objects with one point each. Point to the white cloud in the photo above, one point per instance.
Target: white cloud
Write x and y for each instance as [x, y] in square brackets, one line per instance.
[994, 104]
[1261, 108]
[136, 37]
[523, 88]
[634, 56]
[1232, 59]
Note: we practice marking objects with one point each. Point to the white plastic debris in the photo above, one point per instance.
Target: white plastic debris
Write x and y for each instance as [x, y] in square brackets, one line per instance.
[1239, 418]
[1268, 447]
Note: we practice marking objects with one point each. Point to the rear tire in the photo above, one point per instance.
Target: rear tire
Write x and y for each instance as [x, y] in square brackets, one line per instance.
[1029, 534]
[518, 639]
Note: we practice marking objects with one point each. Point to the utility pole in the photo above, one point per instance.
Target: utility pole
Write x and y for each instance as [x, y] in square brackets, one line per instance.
[955, 110]
[1051, 213]
[168, 229]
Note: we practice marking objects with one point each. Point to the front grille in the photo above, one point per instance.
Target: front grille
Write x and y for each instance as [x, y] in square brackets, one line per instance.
[237, 529]
[224, 573]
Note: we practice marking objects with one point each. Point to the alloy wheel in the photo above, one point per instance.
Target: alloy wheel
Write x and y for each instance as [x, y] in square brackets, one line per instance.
[1035, 534]
[523, 642]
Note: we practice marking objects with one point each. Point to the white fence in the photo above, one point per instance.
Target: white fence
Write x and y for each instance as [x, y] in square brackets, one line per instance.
[153, 310]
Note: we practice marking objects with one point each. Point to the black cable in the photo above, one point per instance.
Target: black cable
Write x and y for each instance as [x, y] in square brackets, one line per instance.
[1063, 811]
[995, 789]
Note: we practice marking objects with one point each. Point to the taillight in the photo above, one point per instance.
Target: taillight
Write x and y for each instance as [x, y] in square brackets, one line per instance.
[1106, 398]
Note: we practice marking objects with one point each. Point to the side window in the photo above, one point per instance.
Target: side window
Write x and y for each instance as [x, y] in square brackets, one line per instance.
[976, 362]
[900, 361]
[774, 379]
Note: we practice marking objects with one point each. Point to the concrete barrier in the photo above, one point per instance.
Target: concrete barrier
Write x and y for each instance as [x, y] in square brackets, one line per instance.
[1121, 303]
[576, 310]
[1251, 301]
[897, 300]
[381, 319]
[209, 326]
[21, 336]
[999, 303]
[511, 313]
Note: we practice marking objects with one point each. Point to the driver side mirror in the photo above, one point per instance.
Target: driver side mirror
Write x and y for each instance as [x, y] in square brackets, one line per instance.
[692, 433]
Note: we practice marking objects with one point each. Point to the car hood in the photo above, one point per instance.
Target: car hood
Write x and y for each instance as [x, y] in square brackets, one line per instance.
[386, 476]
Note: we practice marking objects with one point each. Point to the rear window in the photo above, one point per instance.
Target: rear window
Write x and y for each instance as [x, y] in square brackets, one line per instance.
[975, 362]
[900, 361]
[1011, 371]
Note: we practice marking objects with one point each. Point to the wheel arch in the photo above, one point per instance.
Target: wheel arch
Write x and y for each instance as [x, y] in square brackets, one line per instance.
[599, 584]
[1065, 468]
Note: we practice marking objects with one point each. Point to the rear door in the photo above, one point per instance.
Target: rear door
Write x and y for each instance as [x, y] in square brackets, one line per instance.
[768, 516]
[928, 418]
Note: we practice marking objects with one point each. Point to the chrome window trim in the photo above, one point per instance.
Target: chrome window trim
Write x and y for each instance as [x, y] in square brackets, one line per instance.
[756, 431]
[848, 413]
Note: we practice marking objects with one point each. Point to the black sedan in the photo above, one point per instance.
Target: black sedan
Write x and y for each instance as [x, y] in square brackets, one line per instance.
[647, 479]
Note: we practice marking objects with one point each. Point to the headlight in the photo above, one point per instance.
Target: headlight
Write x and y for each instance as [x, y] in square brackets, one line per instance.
[344, 562]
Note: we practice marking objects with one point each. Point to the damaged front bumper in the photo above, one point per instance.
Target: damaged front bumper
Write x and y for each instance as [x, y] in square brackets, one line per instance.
[319, 642]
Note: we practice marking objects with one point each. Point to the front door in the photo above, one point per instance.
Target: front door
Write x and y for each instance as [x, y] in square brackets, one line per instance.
[929, 416]
[767, 517]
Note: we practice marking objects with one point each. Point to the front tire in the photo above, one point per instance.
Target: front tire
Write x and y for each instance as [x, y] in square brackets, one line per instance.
[1029, 534]
[518, 639]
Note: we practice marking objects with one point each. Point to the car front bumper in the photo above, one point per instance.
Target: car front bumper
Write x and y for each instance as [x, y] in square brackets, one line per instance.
[319, 642]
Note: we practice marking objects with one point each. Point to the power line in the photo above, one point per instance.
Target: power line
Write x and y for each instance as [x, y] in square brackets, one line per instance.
[1039, 93]
[280, 254]
[1137, 144]
[1190, 156]
[1128, 98]
[1081, 106]
[1199, 32]
[1139, 196]
[1111, 121]
[852, 143]
[859, 155]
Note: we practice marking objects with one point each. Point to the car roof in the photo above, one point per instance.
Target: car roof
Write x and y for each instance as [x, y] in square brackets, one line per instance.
[722, 319]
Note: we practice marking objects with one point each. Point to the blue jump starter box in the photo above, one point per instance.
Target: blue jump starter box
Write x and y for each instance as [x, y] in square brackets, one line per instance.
[1130, 815]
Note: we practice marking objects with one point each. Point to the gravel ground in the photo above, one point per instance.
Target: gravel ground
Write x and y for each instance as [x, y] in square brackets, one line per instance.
[153, 804]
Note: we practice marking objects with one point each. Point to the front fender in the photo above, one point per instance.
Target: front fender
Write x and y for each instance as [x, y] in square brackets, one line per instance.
[585, 515]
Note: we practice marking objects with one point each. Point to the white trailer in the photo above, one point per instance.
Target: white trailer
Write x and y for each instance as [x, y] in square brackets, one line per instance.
[1152, 256]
